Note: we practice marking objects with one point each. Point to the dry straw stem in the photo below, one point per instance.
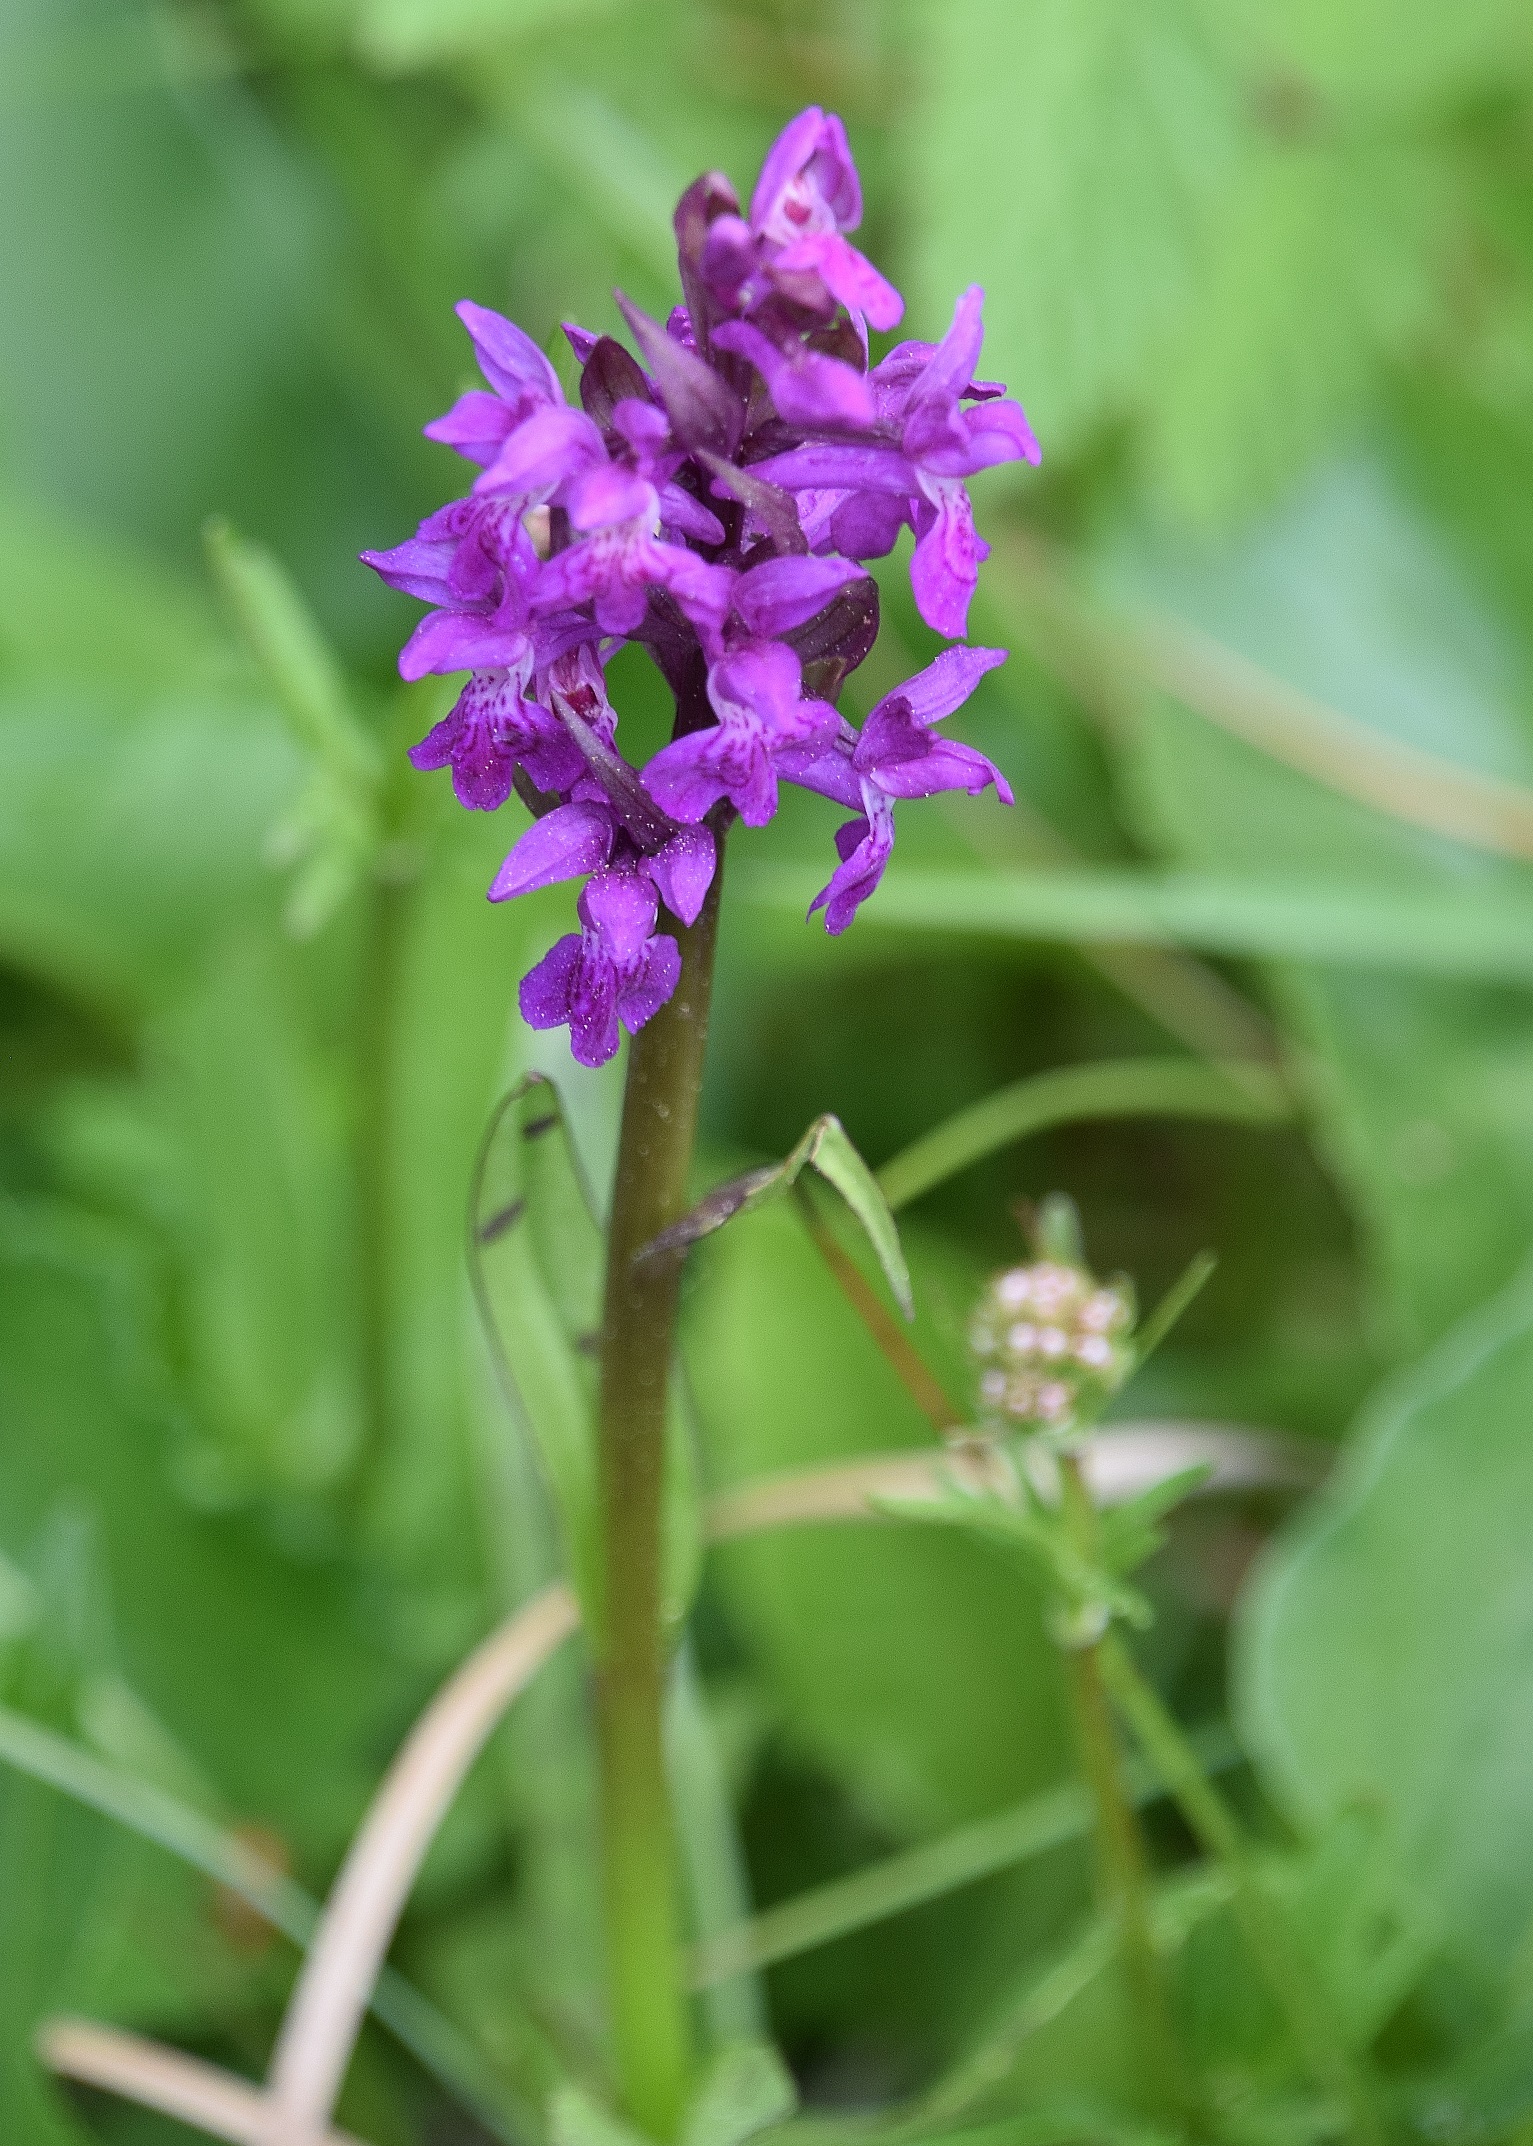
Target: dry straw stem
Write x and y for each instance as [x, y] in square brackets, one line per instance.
[1102, 657]
[198, 2094]
[330, 1998]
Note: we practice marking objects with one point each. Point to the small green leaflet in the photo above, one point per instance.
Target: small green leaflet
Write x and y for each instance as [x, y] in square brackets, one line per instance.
[826, 1148]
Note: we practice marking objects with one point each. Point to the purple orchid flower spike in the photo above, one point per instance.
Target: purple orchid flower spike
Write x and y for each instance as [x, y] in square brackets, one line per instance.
[712, 495]
[757, 695]
[897, 754]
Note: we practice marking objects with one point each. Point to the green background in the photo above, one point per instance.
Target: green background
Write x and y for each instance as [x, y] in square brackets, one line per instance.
[1263, 277]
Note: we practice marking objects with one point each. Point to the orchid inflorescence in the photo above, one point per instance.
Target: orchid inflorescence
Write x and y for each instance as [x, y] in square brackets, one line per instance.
[716, 499]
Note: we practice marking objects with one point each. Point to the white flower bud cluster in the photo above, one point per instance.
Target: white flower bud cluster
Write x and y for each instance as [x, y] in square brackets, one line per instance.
[1044, 1334]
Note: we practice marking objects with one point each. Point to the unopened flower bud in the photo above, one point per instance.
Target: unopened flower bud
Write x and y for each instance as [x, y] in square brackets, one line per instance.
[1046, 1336]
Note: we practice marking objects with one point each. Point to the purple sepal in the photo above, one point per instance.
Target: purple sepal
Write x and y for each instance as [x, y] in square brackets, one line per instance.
[848, 275]
[508, 357]
[544, 450]
[683, 871]
[834, 466]
[704, 410]
[866, 525]
[780, 594]
[476, 426]
[824, 767]
[569, 840]
[688, 517]
[580, 340]
[807, 388]
[944, 567]
[461, 641]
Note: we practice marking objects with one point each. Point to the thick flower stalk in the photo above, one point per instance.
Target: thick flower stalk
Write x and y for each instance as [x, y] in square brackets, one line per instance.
[715, 497]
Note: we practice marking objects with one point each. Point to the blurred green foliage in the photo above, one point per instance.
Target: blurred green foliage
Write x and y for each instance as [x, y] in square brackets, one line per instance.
[1263, 276]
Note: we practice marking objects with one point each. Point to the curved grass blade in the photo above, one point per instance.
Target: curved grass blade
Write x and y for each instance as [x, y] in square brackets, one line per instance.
[1116, 1088]
[1470, 931]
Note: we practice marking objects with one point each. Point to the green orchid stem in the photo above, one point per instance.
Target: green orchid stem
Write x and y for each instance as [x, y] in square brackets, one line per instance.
[1122, 1864]
[650, 2017]
[1263, 1923]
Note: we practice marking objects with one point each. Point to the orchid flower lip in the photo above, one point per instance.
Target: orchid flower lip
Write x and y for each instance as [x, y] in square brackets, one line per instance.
[715, 492]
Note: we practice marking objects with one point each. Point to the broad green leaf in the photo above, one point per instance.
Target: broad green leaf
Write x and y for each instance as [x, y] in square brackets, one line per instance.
[1415, 1079]
[1127, 1088]
[1095, 189]
[824, 1147]
[535, 1255]
[1384, 1657]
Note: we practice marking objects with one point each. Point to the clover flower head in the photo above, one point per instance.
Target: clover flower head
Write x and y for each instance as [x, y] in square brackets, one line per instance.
[1046, 1336]
[715, 496]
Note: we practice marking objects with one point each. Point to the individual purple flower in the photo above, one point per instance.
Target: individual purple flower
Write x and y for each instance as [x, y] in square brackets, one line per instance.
[619, 556]
[896, 754]
[521, 382]
[616, 970]
[807, 387]
[503, 720]
[757, 694]
[912, 470]
[806, 198]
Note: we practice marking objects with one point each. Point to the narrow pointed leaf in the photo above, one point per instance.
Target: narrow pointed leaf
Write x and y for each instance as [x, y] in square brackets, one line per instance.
[826, 1148]
[535, 1260]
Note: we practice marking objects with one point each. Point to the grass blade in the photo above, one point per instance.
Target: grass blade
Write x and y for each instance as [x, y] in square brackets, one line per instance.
[1117, 1088]
[926, 1872]
[1443, 931]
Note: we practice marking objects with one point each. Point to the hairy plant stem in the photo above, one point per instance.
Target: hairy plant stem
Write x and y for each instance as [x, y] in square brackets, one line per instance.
[1262, 1920]
[647, 1991]
[1122, 1864]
